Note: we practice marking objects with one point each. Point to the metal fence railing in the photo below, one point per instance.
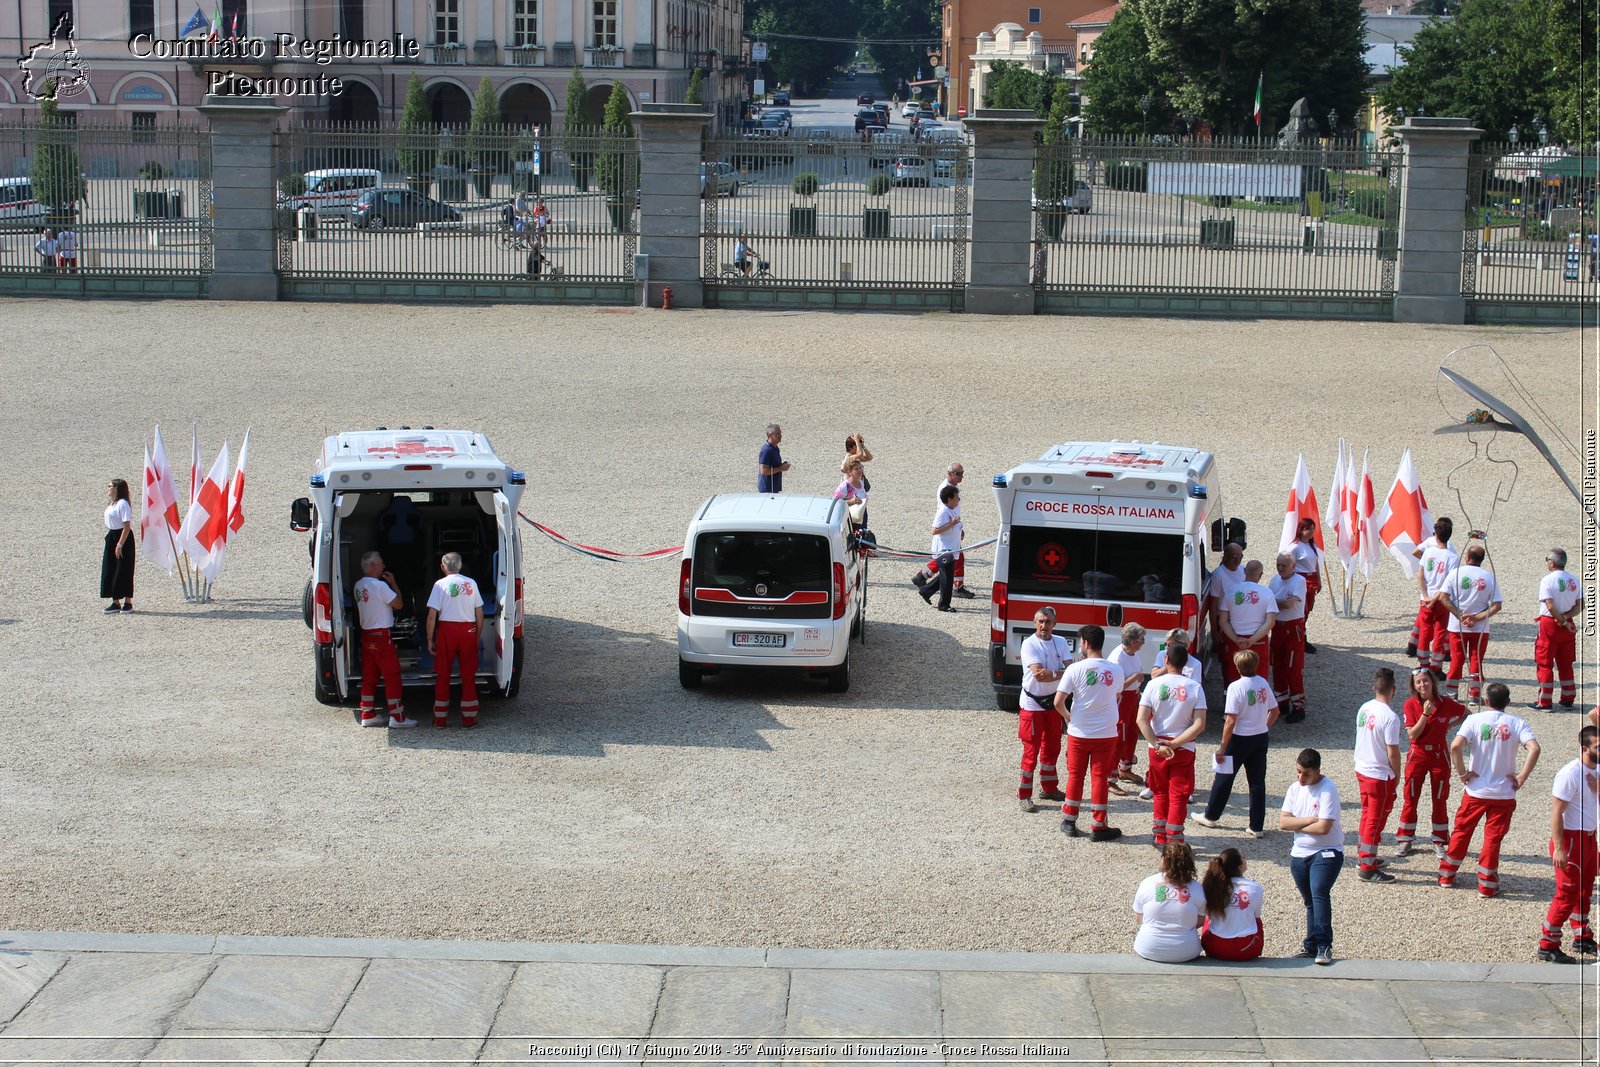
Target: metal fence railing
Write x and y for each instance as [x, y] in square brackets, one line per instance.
[104, 201]
[830, 210]
[375, 201]
[1179, 216]
[1530, 225]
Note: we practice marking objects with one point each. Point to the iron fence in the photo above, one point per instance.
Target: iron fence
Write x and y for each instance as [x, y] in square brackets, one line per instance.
[1529, 234]
[1178, 216]
[103, 206]
[830, 210]
[360, 201]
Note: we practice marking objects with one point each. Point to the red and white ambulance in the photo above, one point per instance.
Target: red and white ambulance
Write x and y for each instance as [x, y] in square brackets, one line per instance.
[1106, 533]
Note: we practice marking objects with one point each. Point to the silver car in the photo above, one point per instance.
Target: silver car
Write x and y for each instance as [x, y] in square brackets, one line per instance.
[718, 179]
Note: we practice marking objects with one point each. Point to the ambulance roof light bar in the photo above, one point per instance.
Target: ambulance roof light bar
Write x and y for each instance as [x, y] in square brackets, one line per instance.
[999, 481]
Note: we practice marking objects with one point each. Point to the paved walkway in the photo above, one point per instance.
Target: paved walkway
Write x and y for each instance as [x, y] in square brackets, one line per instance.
[136, 998]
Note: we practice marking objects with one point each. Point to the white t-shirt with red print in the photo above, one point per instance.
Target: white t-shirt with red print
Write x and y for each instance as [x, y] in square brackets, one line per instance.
[1377, 727]
[1471, 589]
[1579, 786]
[1243, 912]
[1169, 919]
[1561, 589]
[1094, 685]
[1493, 738]
[372, 596]
[1130, 665]
[455, 597]
[1249, 700]
[1173, 699]
[1437, 562]
[1248, 606]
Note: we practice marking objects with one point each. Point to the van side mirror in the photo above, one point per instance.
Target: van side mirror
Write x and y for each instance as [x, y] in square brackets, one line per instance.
[1216, 535]
[1235, 532]
[300, 515]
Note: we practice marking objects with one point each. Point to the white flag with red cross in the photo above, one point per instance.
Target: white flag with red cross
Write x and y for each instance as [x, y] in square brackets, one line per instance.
[154, 540]
[1367, 554]
[1302, 505]
[205, 529]
[236, 489]
[167, 485]
[194, 463]
[1334, 520]
[1405, 521]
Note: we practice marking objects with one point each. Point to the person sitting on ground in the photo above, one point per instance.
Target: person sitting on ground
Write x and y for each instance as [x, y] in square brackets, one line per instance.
[1233, 909]
[1169, 908]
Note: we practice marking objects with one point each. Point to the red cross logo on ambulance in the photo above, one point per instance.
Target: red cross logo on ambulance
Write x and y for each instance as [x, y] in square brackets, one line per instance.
[1051, 557]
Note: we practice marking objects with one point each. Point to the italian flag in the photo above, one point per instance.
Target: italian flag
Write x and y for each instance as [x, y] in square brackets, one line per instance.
[216, 24]
[1259, 82]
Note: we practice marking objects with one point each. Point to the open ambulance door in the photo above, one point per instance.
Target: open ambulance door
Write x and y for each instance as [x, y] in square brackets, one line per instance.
[508, 593]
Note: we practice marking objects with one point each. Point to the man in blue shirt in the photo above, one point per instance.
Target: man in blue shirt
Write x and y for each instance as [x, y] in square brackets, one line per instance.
[769, 464]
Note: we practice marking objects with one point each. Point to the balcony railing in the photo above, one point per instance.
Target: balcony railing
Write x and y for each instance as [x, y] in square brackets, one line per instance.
[446, 53]
[525, 55]
[604, 56]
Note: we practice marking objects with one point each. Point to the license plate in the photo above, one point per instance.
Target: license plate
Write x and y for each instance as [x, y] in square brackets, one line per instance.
[760, 640]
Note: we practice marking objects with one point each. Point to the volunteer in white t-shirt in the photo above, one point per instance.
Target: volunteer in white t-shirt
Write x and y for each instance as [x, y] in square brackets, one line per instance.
[1307, 553]
[1233, 909]
[1172, 713]
[117, 559]
[1573, 816]
[1169, 908]
[1289, 639]
[1191, 669]
[455, 619]
[946, 531]
[1248, 613]
[1377, 764]
[1560, 604]
[377, 595]
[1248, 711]
[1044, 661]
[1086, 697]
[1484, 755]
[1438, 559]
[1472, 597]
[1221, 582]
[1311, 810]
[1126, 657]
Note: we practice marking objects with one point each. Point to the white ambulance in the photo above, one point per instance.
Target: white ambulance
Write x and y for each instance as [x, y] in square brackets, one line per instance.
[412, 495]
[1106, 533]
[770, 580]
[333, 192]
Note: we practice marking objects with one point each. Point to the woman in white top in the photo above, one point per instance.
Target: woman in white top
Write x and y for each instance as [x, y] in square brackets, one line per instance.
[1233, 909]
[1169, 908]
[116, 565]
[1249, 711]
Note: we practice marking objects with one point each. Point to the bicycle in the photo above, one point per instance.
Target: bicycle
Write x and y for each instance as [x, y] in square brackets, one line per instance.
[762, 272]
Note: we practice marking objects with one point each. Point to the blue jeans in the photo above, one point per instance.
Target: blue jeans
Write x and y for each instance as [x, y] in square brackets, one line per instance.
[1314, 876]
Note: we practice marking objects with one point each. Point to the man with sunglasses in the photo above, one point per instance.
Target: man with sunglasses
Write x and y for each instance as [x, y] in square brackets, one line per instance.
[1044, 661]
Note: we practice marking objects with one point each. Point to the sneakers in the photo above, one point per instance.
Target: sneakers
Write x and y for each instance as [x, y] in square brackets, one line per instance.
[371, 718]
[1324, 956]
[468, 722]
[128, 606]
[440, 722]
[1295, 715]
[1105, 833]
[1305, 954]
[1438, 851]
[1258, 834]
[942, 607]
[1203, 821]
[1128, 774]
[1375, 875]
[1403, 848]
[400, 722]
[1146, 794]
[1053, 794]
[1311, 648]
[1447, 882]
[1554, 955]
[1116, 789]
[1411, 650]
[1536, 706]
[1070, 828]
[112, 609]
[964, 593]
[1566, 705]
[919, 579]
[1584, 946]
[1028, 805]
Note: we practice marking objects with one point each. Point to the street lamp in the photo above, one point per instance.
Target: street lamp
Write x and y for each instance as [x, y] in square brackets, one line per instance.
[1513, 134]
[1333, 122]
[1544, 133]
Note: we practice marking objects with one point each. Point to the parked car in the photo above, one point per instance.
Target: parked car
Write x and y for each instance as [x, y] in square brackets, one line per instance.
[378, 209]
[872, 118]
[911, 170]
[718, 179]
[781, 98]
[1081, 200]
[927, 111]
[865, 99]
[909, 108]
[882, 109]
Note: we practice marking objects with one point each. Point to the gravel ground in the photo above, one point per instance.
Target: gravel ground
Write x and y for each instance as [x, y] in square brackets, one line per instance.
[169, 770]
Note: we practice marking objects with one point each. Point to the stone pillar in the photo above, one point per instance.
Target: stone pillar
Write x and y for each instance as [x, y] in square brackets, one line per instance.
[1002, 212]
[1433, 204]
[669, 199]
[243, 197]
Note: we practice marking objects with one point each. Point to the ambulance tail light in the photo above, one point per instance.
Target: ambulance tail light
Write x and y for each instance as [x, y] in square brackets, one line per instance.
[997, 617]
[1188, 612]
[322, 613]
[839, 600]
[516, 631]
[683, 586]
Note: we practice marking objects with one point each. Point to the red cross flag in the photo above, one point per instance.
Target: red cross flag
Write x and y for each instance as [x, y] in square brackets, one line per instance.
[236, 487]
[1367, 555]
[1302, 505]
[205, 529]
[194, 462]
[168, 487]
[1405, 519]
[154, 539]
[1334, 519]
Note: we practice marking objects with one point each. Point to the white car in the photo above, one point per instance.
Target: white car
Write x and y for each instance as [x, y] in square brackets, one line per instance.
[909, 108]
[912, 170]
[718, 179]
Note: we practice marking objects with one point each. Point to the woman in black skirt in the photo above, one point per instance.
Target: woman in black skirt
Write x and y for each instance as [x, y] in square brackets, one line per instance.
[116, 565]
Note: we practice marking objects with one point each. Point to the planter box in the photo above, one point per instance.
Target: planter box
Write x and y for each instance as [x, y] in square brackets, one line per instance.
[802, 221]
[1053, 221]
[875, 222]
[1216, 233]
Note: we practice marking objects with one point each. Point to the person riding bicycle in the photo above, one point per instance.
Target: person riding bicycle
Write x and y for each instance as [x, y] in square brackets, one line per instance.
[744, 257]
[518, 215]
[541, 217]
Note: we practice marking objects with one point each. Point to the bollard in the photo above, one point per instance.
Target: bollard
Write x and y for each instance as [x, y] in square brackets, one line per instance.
[666, 298]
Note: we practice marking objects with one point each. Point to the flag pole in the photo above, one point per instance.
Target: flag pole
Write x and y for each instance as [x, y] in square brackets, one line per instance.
[1360, 608]
[1327, 574]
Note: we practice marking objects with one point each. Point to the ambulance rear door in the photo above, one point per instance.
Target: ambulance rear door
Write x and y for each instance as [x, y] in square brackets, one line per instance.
[507, 585]
[343, 505]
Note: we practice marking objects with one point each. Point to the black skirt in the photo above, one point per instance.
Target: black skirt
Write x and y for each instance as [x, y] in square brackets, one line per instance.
[116, 575]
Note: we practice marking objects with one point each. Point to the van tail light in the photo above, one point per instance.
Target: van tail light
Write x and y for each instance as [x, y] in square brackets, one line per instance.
[997, 617]
[322, 613]
[516, 630]
[683, 587]
[1188, 613]
[838, 591]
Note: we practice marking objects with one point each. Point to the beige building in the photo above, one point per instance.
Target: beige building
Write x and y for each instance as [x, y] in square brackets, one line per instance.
[1009, 42]
[129, 60]
[963, 22]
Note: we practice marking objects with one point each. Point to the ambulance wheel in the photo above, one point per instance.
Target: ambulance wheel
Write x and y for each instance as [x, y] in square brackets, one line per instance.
[305, 604]
[839, 677]
[1011, 702]
[689, 676]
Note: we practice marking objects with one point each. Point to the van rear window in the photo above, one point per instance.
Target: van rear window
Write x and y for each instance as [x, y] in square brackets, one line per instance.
[762, 576]
[1049, 561]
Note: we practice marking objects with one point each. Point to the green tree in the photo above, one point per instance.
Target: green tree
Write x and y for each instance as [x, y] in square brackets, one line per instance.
[616, 171]
[696, 93]
[803, 60]
[481, 136]
[1014, 86]
[415, 151]
[57, 173]
[1116, 83]
[574, 125]
[913, 21]
[1575, 103]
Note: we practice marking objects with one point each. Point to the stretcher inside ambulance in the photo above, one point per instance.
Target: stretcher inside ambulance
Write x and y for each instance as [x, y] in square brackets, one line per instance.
[1106, 533]
[411, 497]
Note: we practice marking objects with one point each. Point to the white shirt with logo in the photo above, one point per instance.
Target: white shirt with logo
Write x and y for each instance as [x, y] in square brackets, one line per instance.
[949, 540]
[1173, 699]
[1471, 589]
[1561, 589]
[1094, 685]
[1377, 727]
[455, 597]
[1051, 654]
[1319, 801]
[1191, 666]
[1222, 581]
[1130, 665]
[1249, 701]
[1248, 606]
[1243, 911]
[1169, 919]
[1493, 738]
[1306, 557]
[372, 596]
[1282, 589]
[1437, 563]
[1579, 786]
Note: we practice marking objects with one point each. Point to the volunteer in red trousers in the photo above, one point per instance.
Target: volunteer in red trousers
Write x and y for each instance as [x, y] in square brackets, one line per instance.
[1377, 764]
[455, 618]
[1433, 542]
[1086, 697]
[1572, 850]
[1233, 928]
[1472, 597]
[1433, 617]
[1431, 720]
[1248, 713]
[953, 476]
[1289, 638]
[1044, 661]
[376, 596]
[1126, 657]
[1172, 713]
[1560, 604]
[1484, 755]
[1247, 617]
[1221, 582]
[1308, 565]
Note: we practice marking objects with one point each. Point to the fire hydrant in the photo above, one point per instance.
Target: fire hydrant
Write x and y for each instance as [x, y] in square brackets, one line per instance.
[666, 298]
